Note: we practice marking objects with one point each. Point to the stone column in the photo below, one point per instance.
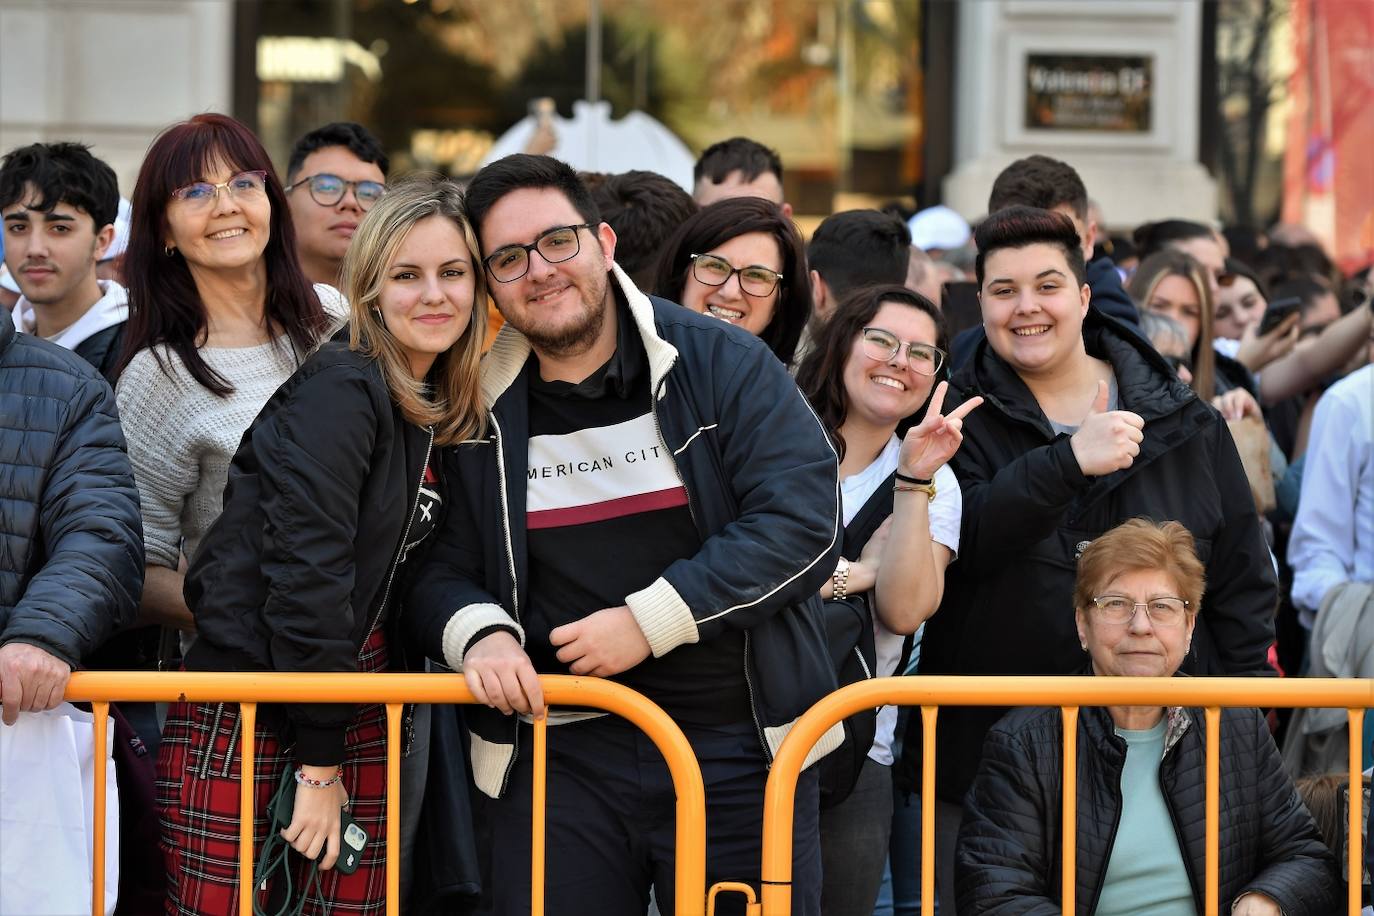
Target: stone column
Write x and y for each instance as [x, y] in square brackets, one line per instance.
[1110, 88]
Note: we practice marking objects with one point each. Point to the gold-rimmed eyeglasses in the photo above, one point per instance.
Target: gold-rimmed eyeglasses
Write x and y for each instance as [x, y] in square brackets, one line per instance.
[1165, 611]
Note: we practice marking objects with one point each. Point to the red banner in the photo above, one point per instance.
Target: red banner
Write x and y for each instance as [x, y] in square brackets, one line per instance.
[1329, 161]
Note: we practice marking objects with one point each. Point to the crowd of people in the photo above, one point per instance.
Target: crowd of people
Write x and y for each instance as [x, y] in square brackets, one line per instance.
[543, 422]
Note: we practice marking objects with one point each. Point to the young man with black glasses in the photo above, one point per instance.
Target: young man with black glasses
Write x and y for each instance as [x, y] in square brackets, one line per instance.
[654, 503]
[335, 175]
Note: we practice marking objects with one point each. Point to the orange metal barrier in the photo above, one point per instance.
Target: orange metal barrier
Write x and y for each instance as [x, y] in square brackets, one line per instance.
[1069, 693]
[394, 690]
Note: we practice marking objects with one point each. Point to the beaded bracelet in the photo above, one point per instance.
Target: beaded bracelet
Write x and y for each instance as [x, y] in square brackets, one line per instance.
[303, 780]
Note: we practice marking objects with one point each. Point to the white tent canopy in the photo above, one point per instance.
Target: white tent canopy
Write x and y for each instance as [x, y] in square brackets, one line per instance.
[590, 141]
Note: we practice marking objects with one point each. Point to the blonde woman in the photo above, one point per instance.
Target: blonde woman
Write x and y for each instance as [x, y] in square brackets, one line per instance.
[332, 492]
[1173, 284]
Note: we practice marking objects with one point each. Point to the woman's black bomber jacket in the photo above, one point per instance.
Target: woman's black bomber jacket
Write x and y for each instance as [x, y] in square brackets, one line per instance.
[301, 566]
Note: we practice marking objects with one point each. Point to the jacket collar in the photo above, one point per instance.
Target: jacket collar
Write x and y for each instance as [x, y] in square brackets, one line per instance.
[1099, 724]
[7, 332]
[1145, 384]
[511, 349]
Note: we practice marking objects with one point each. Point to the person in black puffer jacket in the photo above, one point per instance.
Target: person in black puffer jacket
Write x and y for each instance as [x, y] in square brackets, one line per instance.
[1141, 815]
[1084, 426]
[330, 502]
[72, 553]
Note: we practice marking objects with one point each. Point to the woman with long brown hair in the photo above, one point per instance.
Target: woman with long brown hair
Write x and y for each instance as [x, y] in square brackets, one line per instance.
[331, 498]
[220, 315]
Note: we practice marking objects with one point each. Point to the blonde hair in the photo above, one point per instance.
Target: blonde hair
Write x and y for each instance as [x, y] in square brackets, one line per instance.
[1141, 544]
[453, 404]
[1171, 262]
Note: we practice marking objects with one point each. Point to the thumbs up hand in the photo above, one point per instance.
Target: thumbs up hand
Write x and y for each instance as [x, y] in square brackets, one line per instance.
[1107, 440]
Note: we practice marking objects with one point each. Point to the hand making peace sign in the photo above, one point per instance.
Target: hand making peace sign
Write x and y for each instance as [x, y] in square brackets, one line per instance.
[935, 439]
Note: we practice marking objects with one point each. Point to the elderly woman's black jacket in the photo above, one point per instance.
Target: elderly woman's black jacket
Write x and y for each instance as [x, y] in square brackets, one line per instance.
[1008, 858]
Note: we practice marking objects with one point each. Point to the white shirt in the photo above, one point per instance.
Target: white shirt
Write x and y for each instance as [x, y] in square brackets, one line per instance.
[1333, 535]
[945, 513]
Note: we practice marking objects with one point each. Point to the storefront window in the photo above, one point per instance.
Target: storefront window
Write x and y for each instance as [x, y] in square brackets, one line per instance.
[834, 85]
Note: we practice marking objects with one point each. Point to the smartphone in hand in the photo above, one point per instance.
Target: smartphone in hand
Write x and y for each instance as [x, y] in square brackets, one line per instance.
[1278, 312]
[352, 841]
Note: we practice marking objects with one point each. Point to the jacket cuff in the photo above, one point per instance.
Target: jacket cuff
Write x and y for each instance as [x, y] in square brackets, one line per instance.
[664, 617]
[318, 746]
[56, 652]
[1074, 477]
[467, 624]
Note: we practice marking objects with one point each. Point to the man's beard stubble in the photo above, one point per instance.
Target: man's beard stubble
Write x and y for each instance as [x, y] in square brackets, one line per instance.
[572, 339]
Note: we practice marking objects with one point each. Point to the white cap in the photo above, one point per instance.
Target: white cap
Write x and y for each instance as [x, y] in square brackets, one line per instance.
[939, 228]
[7, 281]
[121, 236]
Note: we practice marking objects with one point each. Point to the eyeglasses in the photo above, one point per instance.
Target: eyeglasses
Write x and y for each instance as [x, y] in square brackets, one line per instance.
[243, 186]
[753, 280]
[884, 345]
[508, 264]
[1163, 612]
[327, 190]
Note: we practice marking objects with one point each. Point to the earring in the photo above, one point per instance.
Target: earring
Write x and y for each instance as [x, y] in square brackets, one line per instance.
[169, 250]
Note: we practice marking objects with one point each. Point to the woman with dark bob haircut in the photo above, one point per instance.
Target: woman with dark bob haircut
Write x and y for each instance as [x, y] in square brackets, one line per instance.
[1141, 777]
[220, 314]
[744, 262]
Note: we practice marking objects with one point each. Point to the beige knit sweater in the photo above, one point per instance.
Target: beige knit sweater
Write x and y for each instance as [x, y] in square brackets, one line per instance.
[182, 437]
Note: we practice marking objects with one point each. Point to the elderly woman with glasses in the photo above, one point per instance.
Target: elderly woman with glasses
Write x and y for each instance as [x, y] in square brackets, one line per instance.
[875, 363]
[1141, 772]
[742, 261]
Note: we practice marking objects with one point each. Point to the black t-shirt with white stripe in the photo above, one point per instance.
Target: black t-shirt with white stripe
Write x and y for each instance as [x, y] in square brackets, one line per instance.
[606, 514]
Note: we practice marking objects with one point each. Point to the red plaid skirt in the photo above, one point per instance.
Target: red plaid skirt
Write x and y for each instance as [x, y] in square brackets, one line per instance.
[198, 806]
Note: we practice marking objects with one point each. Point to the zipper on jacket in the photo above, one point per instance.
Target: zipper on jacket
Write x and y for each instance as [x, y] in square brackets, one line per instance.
[401, 548]
[1100, 884]
[1178, 834]
[753, 704]
[514, 584]
[863, 663]
[505, 517]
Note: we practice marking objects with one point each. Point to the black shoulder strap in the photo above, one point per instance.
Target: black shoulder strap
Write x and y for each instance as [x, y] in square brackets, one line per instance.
[874, 512]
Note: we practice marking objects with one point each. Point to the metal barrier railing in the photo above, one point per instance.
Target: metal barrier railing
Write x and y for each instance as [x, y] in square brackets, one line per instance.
[395, 690]
[1070, 694]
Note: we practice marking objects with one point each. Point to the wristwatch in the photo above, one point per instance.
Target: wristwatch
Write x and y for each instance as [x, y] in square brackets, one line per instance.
[840, 580]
